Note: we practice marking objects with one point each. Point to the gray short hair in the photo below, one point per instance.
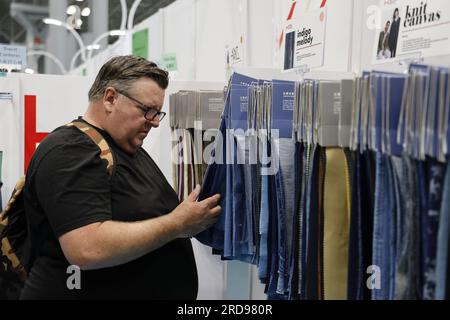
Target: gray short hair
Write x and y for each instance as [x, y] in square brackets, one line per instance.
[123, 71]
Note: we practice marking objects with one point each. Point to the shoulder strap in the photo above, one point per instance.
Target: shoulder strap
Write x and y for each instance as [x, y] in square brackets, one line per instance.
[15, 195]
[97, 138]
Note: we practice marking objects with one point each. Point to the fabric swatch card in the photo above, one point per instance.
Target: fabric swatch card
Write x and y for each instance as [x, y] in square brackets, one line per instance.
[283, 107]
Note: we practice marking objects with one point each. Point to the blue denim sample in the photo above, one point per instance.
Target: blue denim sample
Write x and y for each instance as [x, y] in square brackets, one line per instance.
[279, 216]
[407, 278]
[296, 230]
[285, 179]
[361, 225]
[241, 195]
[399, 175]
[302, 221]
[218, 173]
[422, 185]
[442, 262]
[254, 188]
[430, 227]
[384, 237]
[264, 229]
[215, 182]
[282, 250]
[314, 226]
[264, 255]
[228, 209]
[273, 239]
[251, 217]
[355, 267]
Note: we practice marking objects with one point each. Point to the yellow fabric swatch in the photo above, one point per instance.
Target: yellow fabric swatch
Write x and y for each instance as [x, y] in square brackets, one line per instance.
[336, 224]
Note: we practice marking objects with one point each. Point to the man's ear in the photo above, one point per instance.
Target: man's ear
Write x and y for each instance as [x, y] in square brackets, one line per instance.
[109, 99]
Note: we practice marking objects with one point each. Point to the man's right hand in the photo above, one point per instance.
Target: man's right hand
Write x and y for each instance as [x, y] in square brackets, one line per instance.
[193, 217]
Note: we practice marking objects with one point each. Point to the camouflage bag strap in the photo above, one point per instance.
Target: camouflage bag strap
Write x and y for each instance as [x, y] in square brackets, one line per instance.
[105, 151]
[16, 192]
[7, 251]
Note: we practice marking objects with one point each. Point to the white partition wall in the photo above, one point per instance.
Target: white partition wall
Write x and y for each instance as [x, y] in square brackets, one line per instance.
[262, 33]
[179, 25]
[338, 37]
[11, 135]
[40, 103]
[219, 23]
[199, 31]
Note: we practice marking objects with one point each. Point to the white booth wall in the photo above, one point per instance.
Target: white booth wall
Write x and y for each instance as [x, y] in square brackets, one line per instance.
[198, 32]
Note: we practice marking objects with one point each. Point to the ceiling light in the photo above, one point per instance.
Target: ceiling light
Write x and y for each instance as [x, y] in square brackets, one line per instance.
[86, 12]
[78, 23]
[71, 10]
[117, 33]
[71, 30]
[93, 47]
[53, 22]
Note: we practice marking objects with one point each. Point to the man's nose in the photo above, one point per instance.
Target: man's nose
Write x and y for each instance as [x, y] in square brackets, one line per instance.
[155, 123]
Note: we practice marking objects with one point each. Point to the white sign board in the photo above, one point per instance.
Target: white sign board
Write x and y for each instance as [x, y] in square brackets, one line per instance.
[305, 40]
[412, 29]
[235, 55]
[13, 57]
[32, 106]
[11, 135]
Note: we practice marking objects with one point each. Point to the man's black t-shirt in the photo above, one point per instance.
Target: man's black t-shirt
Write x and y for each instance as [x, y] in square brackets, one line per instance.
[68, 187]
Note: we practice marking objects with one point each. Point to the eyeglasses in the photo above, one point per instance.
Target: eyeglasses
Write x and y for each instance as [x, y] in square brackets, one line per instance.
[150, 113]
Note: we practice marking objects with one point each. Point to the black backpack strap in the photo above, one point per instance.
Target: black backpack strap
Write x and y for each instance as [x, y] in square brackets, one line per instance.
[97, 138]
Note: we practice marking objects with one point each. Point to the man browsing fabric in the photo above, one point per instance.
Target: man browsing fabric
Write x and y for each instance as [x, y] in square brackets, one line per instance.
[126, 231]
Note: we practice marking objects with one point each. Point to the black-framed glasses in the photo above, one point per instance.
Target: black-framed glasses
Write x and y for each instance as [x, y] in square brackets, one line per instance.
[150, 113]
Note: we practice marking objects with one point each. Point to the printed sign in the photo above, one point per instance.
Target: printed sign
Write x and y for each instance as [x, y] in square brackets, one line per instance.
[30, 108]
[169, 62]
[412, 29]
[14, 57]
[235, 55]
[140, 43]
[305, 40]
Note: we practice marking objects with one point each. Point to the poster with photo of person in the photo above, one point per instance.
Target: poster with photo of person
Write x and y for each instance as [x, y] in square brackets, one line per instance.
[412, 28]
[305, 40]
[387, 38]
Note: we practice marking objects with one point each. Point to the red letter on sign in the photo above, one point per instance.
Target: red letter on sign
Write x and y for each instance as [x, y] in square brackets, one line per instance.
[31, 136]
